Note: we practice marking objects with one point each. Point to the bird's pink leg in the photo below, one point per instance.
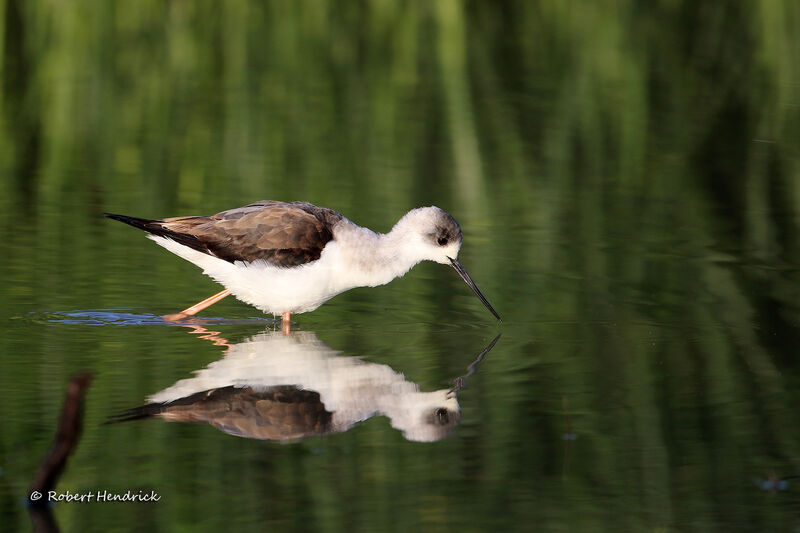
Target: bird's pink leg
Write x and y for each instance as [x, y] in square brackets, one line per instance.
[286, 324]
[196, 308]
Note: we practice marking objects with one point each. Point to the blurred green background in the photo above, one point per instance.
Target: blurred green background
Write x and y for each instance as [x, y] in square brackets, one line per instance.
[627, 177]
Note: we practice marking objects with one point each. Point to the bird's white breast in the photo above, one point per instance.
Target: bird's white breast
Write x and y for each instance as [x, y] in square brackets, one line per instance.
[272, 289]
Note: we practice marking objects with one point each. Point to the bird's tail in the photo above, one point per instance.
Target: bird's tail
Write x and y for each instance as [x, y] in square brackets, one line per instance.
[137, 413]
[161, 228]
[150, 226]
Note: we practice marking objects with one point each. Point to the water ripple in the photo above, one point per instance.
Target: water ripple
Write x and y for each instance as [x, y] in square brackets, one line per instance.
[126, 317]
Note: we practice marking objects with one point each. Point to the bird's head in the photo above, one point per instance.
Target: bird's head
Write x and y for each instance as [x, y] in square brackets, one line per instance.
[432, 234]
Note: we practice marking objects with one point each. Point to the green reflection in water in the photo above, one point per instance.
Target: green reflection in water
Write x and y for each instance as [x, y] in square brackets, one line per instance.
[626, 176]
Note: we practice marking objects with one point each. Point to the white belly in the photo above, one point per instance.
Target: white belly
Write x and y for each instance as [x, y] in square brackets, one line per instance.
[271, 289]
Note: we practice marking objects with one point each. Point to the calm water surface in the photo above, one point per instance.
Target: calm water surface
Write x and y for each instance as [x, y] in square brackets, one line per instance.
[627, 185]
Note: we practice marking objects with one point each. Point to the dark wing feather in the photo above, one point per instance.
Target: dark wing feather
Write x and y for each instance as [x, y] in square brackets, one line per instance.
[283, 412]
[284, 234]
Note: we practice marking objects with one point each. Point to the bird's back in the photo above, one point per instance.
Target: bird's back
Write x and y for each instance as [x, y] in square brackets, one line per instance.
[283, 234]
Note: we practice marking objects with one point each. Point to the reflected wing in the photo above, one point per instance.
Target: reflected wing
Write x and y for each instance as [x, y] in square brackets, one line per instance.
[283, 234]
[277, 413]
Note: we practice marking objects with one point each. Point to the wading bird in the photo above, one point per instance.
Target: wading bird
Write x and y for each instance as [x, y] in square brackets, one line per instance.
[291, 257]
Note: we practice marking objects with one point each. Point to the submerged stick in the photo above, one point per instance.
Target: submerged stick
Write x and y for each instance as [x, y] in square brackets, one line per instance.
[67, 437]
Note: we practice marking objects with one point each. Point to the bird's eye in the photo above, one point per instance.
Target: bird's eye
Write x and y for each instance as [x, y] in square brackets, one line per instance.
[442, 416]
[442, 241]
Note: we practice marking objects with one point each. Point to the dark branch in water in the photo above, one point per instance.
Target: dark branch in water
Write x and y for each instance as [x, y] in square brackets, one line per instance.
[67, 437]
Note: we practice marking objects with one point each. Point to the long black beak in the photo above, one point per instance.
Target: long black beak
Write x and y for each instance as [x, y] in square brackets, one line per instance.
[463, 273]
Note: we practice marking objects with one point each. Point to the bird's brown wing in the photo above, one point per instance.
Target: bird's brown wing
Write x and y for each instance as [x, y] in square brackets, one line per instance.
[282, 412]
[283, 234]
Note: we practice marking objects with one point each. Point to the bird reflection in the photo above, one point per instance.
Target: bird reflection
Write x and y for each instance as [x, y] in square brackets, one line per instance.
[282, 387]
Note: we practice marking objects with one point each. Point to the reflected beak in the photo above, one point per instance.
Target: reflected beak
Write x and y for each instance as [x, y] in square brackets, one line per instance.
[463, 273]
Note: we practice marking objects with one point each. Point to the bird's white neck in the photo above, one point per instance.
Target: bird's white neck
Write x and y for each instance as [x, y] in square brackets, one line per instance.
[373, 259]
